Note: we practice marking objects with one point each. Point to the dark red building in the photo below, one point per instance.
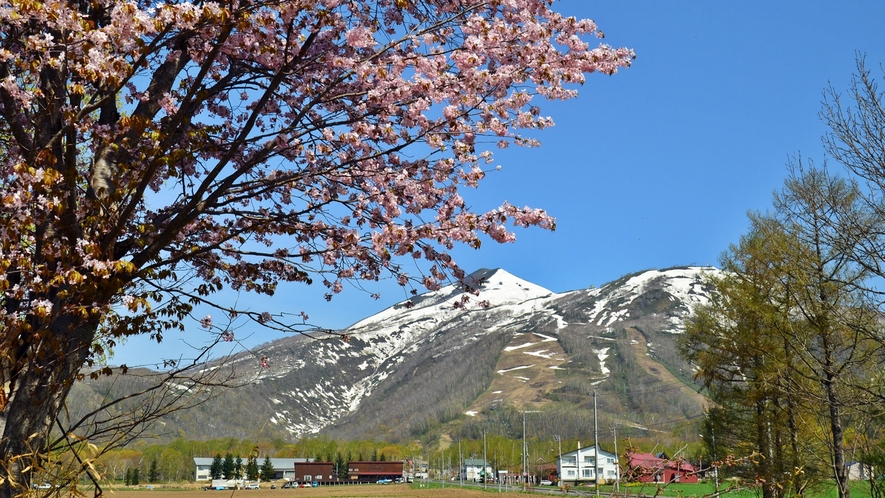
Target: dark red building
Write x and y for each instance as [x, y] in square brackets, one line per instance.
[374, 471]
[321, 472]
[645, 467]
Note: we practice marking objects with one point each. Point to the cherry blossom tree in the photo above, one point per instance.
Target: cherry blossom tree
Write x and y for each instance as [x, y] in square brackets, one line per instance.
[155, 154]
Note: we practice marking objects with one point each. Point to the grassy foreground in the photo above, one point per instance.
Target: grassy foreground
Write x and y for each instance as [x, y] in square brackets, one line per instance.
[859, 489]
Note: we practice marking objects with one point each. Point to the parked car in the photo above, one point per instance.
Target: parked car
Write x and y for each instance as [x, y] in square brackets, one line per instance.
[546, 482]
[290, 484]
[384, 481]
[253, 485]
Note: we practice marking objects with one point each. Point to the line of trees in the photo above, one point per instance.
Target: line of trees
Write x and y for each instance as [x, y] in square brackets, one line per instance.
[791, 346]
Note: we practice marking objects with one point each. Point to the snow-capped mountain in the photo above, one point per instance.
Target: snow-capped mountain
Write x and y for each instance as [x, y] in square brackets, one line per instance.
[453, 357]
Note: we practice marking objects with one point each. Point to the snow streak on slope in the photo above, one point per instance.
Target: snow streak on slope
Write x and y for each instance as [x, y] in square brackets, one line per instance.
[684, 286]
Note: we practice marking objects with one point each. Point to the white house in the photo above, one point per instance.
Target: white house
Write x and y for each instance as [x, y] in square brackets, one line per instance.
[201, 473]
[284, 468]
[858, 471]
[580, 466]
[475, 469]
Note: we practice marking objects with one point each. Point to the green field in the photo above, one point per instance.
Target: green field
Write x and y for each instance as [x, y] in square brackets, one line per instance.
[859, 489]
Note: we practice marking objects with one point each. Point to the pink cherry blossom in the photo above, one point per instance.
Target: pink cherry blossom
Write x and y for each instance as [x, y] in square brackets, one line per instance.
[157, 154]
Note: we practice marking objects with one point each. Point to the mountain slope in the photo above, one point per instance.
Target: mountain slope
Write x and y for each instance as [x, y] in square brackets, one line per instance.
[448, 361]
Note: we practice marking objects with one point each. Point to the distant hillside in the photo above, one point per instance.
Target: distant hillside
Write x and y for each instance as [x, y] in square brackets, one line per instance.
[426, 367]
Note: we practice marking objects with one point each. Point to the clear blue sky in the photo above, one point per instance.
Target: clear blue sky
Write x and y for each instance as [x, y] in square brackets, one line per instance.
[656, 166]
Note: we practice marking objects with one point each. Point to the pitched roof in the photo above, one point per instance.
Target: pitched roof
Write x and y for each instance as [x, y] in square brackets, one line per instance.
[649, 461]
[589, 449]
[278, 463]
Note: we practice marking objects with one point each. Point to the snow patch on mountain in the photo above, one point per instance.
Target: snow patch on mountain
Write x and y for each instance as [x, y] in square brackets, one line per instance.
[521, 346]
[602, 354]
[497, 288]
[612, 302]
[544, 353]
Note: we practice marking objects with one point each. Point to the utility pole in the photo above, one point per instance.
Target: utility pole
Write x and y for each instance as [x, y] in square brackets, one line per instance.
[713, 464]
[525, 447]
[595, 444]
[485, 471]
[460, 465]
[617, 461]
[497, 473]
[559, 461]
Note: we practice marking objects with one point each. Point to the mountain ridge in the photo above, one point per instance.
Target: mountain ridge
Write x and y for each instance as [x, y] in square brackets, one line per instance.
[447, 360]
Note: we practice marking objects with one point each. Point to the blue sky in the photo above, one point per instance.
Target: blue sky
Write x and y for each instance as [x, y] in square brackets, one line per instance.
[654, 167]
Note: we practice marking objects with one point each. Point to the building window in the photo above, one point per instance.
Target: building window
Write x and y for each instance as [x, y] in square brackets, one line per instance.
[589, 460]
[570, 473]
[569, 460]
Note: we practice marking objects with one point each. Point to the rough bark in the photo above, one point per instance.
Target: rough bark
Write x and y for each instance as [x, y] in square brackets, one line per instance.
[39, 391]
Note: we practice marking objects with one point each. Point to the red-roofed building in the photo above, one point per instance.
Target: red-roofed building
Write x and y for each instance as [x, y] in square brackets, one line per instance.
[645, 467]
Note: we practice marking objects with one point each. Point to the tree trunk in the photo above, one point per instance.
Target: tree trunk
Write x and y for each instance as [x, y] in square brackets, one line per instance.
[840, 471]
[764, 446]
[37, 395]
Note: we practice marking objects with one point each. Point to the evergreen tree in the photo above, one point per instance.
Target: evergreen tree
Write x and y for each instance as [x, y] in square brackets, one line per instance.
[375, 455]
[127, 480]
[228, 467]
[153, 471]
[238, 468]
[382, 458]
[252, 472]
[135, 478]
[341, 466]
[216, 469]
[267, 470]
